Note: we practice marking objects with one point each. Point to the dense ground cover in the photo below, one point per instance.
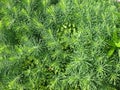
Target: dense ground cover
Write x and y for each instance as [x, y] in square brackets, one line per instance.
[59, 45]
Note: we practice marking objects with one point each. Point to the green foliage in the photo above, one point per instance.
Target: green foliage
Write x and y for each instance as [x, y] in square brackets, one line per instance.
[59, 45]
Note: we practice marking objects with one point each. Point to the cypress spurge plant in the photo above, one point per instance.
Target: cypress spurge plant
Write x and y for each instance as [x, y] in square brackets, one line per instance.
[59, 45]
